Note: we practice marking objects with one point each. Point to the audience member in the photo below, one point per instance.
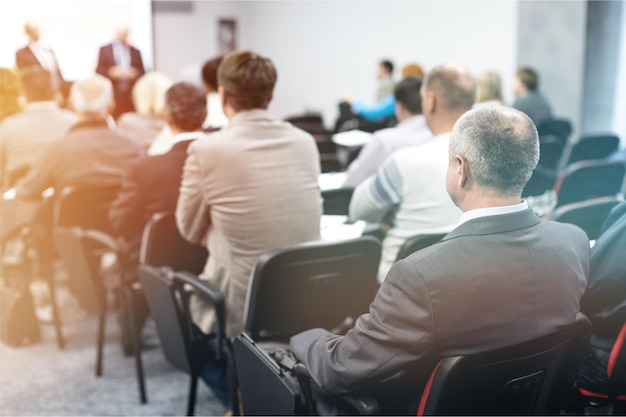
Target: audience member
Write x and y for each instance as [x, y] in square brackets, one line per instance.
[529, 100]
[471, 292]
[604, 301]
[10, 93]
[488, 90]
[247, 189]
[90, 153]
[216, 117]
[411, 182]
[146, 122]
[121, 63]
[39, 55]
[411, 130]
[150, 185]
[23, 136]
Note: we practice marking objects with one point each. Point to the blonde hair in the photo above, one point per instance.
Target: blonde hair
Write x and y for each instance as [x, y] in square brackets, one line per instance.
[412, 70]
[149, 93]
[10, 92]
[489, 88]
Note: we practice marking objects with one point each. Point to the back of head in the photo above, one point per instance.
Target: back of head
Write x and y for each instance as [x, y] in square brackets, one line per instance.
[248, 79]
[529, 78]
[209, 73]
[149, 93]
[407, 93]
[412, 70]
[186, 105]
[37, 84]
[387, 65]
[500, 145]
[489, 87]
[92, 95]
[454, 86]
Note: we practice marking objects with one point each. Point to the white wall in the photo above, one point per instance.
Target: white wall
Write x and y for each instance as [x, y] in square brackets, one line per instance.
[184, 41]
[552, 40]
[324, 50]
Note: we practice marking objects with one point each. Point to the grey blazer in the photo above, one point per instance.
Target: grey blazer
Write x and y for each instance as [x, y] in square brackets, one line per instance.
[491, 282]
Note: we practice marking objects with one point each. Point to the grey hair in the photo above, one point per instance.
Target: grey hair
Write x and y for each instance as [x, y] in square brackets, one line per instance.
[92, 95]
[500, 145]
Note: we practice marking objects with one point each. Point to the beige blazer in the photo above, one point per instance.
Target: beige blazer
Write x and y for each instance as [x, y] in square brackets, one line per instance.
[247, 189]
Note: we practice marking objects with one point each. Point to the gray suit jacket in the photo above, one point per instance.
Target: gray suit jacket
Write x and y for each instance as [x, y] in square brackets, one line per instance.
[491, 282]
[246, 189]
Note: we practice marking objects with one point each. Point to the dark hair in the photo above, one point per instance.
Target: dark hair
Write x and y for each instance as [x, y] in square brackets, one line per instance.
[37, 84]
[186, 105]
[529, 78]
[248, 79]
[209, 72]
[388, 65]
[407, 93]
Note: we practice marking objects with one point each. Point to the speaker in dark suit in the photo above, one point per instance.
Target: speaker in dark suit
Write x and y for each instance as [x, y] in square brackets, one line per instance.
[121, 63]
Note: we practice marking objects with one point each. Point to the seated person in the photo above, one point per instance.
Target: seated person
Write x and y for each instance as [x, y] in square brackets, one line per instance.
[469, 293]
[92, 152]
[410, 131]
[411, 182]
[488, 90]
[151, 184]
[604, 301]
[528, 98]
[146, 121]
[249, 188]
[370, 118]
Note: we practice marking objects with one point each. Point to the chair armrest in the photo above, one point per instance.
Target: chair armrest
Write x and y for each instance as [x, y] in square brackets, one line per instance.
[208, 290]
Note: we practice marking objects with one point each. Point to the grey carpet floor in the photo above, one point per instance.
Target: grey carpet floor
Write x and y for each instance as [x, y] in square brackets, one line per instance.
[40, 379]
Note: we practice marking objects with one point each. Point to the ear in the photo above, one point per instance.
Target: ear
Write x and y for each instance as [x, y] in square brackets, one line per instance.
[463, 172]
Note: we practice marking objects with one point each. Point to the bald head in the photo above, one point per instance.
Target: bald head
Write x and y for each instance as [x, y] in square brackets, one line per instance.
[32, 31]
[92, 96]
[500, 146]
[454, 85]
[122, 33]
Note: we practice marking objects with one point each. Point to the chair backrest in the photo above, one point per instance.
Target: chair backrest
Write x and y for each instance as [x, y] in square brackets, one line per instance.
[86, 206]
[541, 180]
[593, 147]
[162, 245]
[315, 284]
[559, 127]
[550, 152]
[535, 377]
[616, 369]
[588, 215]
[337, 200]
[167, 308]
[417, 242]
[589, 179]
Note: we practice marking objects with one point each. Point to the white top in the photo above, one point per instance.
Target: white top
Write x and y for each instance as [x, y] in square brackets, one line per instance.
[215, 114]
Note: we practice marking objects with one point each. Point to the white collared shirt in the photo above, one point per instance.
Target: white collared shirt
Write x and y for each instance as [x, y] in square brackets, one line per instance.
[492, 211]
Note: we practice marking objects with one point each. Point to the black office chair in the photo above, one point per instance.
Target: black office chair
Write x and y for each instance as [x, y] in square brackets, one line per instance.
[588, 215]
[541, 180]
[592, 147]
[586, 180]
[616, 373]
[82, 235]
[183, 344]
[559, 127]
[162, 245]
[337, 201]
[417, 242]
[535, 377]
[550, 152]
[314, 284]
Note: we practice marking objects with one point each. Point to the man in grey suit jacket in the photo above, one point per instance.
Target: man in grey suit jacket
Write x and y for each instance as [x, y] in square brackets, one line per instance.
[501, 277]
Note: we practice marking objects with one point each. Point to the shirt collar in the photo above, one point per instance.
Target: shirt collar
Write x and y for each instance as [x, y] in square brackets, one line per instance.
[492, 211]
[42, 105]
[180, 137]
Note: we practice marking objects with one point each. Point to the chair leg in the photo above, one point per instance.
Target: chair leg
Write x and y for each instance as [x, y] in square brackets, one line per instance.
[191, 402]
[101, 331]
[56, 317]
[130, 316]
